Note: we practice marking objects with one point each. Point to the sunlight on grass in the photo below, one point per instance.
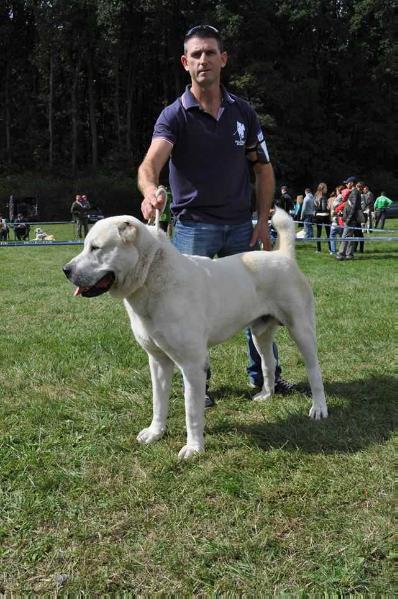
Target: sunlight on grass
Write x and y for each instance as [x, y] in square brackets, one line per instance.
[277, 505]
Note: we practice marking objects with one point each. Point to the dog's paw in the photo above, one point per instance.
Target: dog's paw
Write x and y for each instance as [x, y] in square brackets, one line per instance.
[318, 412]
[188, 451]
[262, 395]
[149, 435]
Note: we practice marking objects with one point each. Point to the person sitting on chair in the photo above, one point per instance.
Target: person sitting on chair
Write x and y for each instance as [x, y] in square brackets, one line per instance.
[21, 228]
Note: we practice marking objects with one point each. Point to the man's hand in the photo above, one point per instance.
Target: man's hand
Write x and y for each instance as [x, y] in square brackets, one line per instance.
[153, 200]
[261, 234]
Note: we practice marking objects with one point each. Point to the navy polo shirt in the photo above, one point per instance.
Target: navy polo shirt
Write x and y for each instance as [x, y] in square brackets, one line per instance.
[208, 169]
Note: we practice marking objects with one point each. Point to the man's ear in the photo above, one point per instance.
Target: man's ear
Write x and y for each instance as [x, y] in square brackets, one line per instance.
[127, 231]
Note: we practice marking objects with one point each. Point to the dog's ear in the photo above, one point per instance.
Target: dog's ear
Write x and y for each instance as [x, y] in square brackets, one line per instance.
[127, 231]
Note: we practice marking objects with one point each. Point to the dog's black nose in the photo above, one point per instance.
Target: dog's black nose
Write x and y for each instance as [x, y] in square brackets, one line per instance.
[67, 270]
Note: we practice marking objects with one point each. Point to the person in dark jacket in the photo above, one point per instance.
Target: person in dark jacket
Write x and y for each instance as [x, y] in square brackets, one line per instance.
[322, 214]
[79, 210]
[352, 223]
[285, 201]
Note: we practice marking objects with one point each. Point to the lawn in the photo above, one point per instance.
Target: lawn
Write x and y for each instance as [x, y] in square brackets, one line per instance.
[277, 504]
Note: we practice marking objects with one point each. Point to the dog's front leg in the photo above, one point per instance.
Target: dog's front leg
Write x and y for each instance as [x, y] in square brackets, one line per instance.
[194, 394]
[161, 374]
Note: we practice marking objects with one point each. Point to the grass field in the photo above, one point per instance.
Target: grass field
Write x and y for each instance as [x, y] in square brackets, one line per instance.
[277, 504]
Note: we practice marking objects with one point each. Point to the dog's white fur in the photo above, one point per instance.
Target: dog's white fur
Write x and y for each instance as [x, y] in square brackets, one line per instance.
[41, 235]
[180, 305]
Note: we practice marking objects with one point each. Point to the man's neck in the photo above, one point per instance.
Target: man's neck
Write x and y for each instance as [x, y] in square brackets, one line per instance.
[209, 98]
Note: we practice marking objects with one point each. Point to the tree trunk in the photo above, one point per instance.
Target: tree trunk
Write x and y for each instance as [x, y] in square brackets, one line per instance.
[116, 105]
[50, 114]
[74, 118]
[91, 109]
[129, 109]
[7, 116]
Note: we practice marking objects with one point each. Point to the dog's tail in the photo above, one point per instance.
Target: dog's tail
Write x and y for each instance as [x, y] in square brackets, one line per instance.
[284, 225]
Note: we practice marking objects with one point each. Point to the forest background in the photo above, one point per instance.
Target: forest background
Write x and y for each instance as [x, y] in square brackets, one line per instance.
[82, 83]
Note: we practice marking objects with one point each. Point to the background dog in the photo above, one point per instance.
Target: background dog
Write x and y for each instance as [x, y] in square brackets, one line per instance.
[41, 235]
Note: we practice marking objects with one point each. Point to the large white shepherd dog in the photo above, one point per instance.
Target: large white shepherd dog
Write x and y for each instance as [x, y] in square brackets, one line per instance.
[180, 305]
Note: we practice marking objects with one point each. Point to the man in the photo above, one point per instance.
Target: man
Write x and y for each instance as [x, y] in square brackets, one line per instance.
[367, 205]
[381, 205]
[79, 210]
[307, 213]
[21, 228]
[209, 136]
[285, 201]
[3, 229]
[352, 221]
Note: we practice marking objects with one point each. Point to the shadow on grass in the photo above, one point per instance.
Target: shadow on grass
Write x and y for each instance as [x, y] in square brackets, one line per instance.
[361, 413]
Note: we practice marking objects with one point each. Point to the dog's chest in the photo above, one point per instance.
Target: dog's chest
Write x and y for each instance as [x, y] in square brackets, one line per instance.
[143, 334]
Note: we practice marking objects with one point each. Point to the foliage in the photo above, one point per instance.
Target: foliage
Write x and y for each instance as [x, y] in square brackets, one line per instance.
[82, 82]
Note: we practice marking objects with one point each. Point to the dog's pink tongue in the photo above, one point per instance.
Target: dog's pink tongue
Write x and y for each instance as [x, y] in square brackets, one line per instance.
[77, 291]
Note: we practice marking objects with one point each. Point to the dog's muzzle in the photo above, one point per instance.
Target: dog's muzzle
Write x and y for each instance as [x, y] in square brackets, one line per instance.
[101, 286]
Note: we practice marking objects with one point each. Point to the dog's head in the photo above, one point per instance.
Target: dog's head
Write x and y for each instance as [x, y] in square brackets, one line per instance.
[109, 259]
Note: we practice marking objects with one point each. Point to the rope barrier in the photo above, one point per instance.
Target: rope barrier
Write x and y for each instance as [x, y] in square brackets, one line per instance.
[338, 239]
[37, 243]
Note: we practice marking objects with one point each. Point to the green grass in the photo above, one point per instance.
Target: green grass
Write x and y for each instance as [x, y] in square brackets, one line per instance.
[277, 504]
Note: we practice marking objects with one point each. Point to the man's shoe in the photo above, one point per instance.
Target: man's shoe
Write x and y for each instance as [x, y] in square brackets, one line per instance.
[283, 387]
[209, 400]
[349, 257]
[340, 257]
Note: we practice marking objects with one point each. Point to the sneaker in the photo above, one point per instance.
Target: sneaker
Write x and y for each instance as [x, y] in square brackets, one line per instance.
[340, 257]
[209, 400]
[283, 387]
[349, 257]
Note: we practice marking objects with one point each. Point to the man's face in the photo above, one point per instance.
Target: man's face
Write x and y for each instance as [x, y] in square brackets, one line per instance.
[203, 60]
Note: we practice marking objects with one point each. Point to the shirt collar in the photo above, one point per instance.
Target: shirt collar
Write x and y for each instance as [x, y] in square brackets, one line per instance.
[188, 100]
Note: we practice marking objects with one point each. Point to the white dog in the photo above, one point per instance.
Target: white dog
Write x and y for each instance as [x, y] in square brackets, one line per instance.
[41, 235]
[180, 305]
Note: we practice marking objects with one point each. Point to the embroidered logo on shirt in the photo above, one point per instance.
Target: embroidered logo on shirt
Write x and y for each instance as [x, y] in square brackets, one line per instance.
[241, 133]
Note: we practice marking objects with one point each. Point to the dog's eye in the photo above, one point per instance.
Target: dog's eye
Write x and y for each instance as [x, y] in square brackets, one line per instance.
[94, 248]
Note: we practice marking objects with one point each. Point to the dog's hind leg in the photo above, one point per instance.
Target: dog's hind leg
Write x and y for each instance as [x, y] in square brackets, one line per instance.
[161, 375]
[263, 335]
[303, 333]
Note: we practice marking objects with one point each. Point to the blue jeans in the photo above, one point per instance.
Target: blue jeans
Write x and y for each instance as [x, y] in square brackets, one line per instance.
[309, 233]
[209, 239]
[335, 230]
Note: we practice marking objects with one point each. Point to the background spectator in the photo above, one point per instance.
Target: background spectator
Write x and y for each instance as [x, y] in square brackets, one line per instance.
[21, 228]
[381, 205]
[3, 229]
[335, 207]
[79, 210]
[367, 205]
[307, 213]
[351, 223]
[285, 201]
[321, 214]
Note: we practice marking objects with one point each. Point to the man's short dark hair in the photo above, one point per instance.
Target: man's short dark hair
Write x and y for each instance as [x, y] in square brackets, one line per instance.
[203, 32]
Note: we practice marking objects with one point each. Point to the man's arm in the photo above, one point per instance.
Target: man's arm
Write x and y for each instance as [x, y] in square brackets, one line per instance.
[264, 187]
[148, 176]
